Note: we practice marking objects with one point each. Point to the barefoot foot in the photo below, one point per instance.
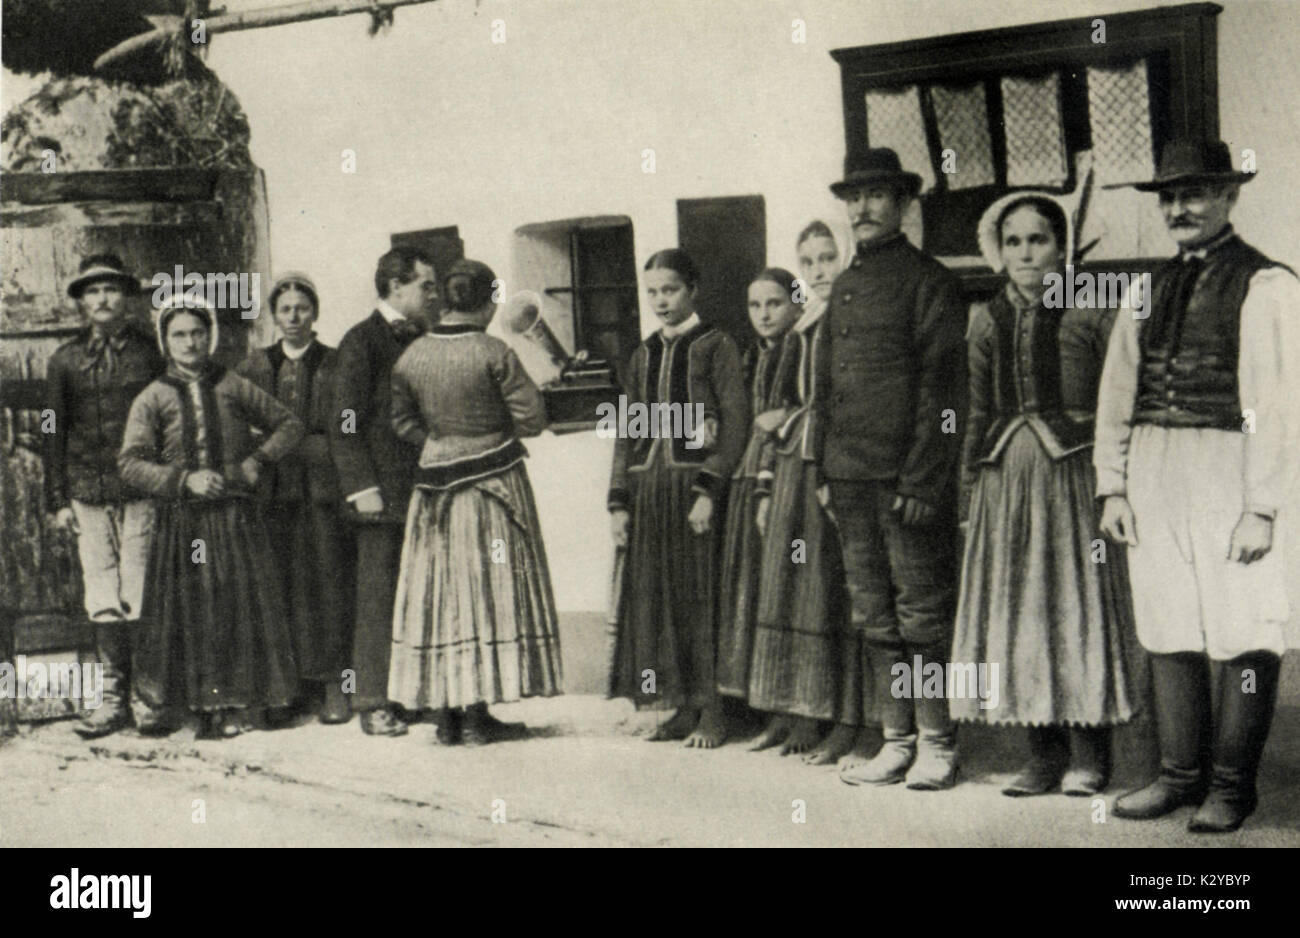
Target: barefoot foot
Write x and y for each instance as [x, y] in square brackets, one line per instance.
[679, 726]
[803, 736]
[773, 733]
[711, 731]
[835, 745]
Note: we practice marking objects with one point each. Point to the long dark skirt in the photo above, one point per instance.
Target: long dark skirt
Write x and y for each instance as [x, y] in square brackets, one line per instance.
[317, 555]
[806, 659]
[738, 593]
[213, 631]
[667, 619]
[1036, 601]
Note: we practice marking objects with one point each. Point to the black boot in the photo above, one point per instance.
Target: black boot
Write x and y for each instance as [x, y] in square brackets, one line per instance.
[1181, 683]
[113, 648]
[1089, 761]
[1239, 737]
[1049, 751]
[478, 727]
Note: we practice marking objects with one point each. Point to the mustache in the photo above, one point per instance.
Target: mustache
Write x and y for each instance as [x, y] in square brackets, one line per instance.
[1185, 220]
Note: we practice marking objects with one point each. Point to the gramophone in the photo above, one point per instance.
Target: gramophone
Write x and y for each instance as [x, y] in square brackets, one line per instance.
[583, 382]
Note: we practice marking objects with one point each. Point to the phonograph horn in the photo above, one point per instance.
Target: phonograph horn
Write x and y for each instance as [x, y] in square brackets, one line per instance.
[522, 315]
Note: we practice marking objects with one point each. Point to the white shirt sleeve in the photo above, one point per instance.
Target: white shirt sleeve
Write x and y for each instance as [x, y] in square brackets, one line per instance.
[1115, 402]
[1269, 344]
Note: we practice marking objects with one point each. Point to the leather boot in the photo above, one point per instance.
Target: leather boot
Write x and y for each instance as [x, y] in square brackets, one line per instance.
[935, 768]
[1048, 753]
[113, 648]
[1181, 685]
[1239, 736]
[890, 764]
[1089, 772]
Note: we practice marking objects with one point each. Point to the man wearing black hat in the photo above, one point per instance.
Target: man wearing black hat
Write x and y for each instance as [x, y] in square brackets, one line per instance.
[1192, 463]
[895, 366]
[376, 468]
[91, 383]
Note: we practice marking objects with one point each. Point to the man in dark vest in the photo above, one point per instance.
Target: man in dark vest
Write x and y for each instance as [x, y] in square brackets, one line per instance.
[375, 468]
[91, 382]
[1191, 458]
[895, 377]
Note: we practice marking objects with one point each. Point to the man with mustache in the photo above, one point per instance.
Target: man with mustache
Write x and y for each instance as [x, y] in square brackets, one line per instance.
[1191, 454]
[91, 382]
[895, 361]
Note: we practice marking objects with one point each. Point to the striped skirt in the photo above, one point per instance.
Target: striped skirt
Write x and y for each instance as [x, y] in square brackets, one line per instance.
[806, 659]
[474, 617]
[1035, 600]
[738, 592]
[666, 618]
[213, 631]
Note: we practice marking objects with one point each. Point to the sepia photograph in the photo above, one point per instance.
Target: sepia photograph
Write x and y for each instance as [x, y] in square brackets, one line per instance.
[687, 423]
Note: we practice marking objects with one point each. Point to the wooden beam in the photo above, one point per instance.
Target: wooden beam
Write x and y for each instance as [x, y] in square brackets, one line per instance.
[168, 26]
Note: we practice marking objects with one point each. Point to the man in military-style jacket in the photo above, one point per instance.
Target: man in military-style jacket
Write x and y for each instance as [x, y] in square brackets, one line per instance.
[894, 371]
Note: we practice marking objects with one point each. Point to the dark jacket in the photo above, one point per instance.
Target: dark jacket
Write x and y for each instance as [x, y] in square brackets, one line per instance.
[90, 404]
[894, 362]
[1036, 366]
[701, 366]
[308, 473]
[178, 426]
[373, 455]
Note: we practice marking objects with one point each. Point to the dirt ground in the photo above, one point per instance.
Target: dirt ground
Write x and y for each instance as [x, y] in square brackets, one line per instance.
[586, 778]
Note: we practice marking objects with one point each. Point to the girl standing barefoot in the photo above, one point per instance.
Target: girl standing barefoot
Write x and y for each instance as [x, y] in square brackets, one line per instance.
[667, 501]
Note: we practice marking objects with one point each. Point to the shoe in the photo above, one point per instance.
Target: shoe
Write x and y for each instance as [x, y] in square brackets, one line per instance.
[382, 722]
[887, 767]
[1181, 687]
[222, 724]
[1048, 754]
[890, 763]
[1089, 772]
[113, 648]
[935, 768]
[1240, 735]
[334, 705]
[478, 727]
[448, 725]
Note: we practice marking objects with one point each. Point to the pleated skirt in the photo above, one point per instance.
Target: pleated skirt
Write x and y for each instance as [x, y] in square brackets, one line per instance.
[1044, 596]
[806, 659]
[316, 550]
[474, 617]
[214, 634]
[664, 641]
[742, 550]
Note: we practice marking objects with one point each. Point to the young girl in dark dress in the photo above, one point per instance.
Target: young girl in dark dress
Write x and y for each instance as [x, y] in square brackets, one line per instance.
[771, 313]
[214, 635]
[667, 502]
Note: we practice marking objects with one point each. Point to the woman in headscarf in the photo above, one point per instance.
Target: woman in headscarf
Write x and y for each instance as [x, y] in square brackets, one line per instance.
[474, 621]
[1041, 594]
[806, 666]
[307, 531]
[214, 636]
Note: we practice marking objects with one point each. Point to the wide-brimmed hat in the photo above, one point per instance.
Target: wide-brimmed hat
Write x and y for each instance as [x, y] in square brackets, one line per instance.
[875, 166]
[103, 267]
[1184, 162]
[989, 237]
